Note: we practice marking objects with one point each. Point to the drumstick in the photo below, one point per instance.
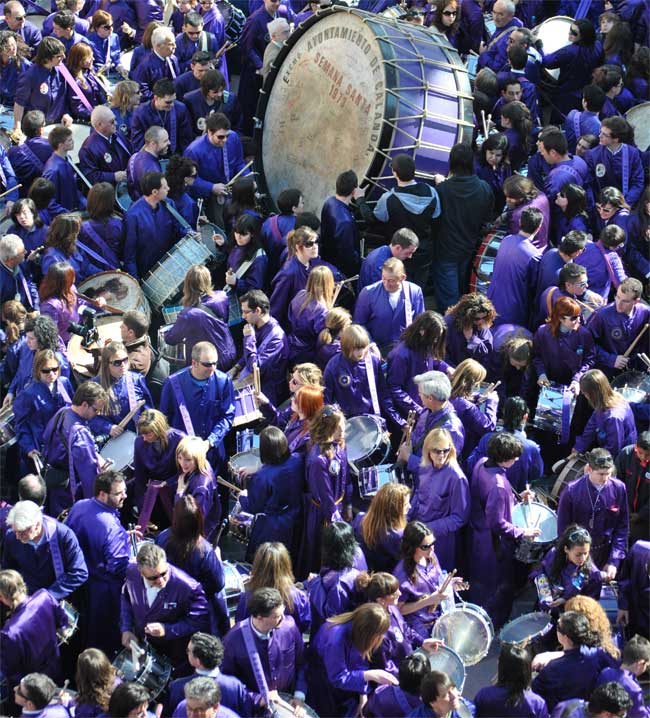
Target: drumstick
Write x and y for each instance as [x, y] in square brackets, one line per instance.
[444, 587]
[488, 122]
[223, 49]
[339, 286]
[489, 389]
[235, 489]
[256, 378]
[645, 359]
[484, 124]
[629, 350]
[241, 171]
[105, 307]
[131, 414]
[9, 191]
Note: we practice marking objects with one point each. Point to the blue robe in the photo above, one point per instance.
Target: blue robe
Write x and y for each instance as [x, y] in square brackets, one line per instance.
[152, 69]
[176, 121]
[339, 236]
[138, 165]
[301, 613]
[614, 333]
[110, 231]
[606, 169]
[9, 75]
[41, 89]
[28, 160]
[101, 424]
[94, 151]
[214, 164]
[234, 694]
[269, 349]
[496, 55]
[82, 263]
[15, 285]
[105, 51]
[67, 194]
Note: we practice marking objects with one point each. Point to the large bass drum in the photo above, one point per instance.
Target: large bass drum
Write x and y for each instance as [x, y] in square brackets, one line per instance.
[376, 87]
[639, 118]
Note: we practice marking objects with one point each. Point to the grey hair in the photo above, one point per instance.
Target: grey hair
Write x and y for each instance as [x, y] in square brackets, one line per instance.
[434, 384]
[10, 246]
[150, 555]
[277, 25]
[24, 515]
[153, 134]
[203, 689]
[508, 6]
[160, 35]
[100, 114]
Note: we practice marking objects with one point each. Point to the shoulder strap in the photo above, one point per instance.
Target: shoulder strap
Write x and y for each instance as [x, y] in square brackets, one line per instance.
[610, 270]
[256, 661]
[87, 250]
[67, 76]
[180, 400]
[49, 525]
[549, 301]
[507, 31]
[96, 239]
[243, 268]
[177, 216]
[274, 223]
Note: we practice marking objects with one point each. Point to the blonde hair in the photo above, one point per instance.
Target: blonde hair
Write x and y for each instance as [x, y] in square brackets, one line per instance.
[467, 375]
[309, 373]
[320, 288]
[598, 621]
[354, 337]
[196, 284]
[434, 437]
[385, 513]
[12, 587]
[155, 422]
[370, 621]
[598, 392]
[193, 447]
[272, 569]
[297, 237]
[106, 380]
[336, 320]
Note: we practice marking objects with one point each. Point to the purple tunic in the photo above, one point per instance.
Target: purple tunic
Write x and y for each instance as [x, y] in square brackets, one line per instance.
[67, 194]
[399, 642]
[306, 324]
[614, 333]
[441, 501]
[612, 176]
[610, 429]
[267, 347]
[541, 203]
[93, 153]
[634, 587]
[255, 275]
[595, 260]
[385, 554]
[491, 701]
[110, 233]
[215, 164]
[572, 580]
[445, 418]
[427, 580]
[301, 613]
[203, 488]
[477, 421]
[389, 701]
[152, 463]
[604, 514]
[176, 121]
[563, 358]
[478, 347]
[331, 593]
[234, 695]
[629, 681]
[339, 236]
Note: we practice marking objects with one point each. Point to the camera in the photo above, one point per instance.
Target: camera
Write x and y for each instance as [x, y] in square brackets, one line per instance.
[85, 328]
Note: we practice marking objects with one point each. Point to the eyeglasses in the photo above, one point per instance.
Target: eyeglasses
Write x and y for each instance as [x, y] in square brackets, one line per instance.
[310, 243]
[571, 319]
[449, 13]
[193, 32]
[221, 137]
[441, 452]
[119, 362]
[581, 284]
[49, 370]
[426, 546]
[107, 27]
[156, 576]
[208, 364]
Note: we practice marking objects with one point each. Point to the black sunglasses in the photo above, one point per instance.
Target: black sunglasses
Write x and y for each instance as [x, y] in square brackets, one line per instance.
[208, 364]
[49, 370]
[119, 362]
[310, 243]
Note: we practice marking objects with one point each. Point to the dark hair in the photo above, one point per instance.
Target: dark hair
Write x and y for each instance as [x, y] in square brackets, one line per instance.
[243, 198]
[164, 88]
[514, 672]
[194, 19]
[612, 236]
[201, 57]
[101, 198]
[125, 698]
[570, 272]
[520, 188]
[412, 670]
[611, 698]
[45, 331]
[461, 160]
[426, 335]
[613, 196]
[618, 126]
[576, 202]
[643, 440]
[263, 600]
[497, 142]
[573, 241]
[405, 238]
[555, 140]
[274, 448]
[338, 546]
[518, 56]
[587, 31]
[89, 392]
[636, 649]
[619, 41]
[58, 135]
[288, 199]
[521, 121]
[346, 183]
[104, 481]
[58, 283]
[64, 19]
[433, 686]
[136, 321]
[531, 220]
[212, 80]
[48, 48]
[504, 447]
[95, 678]
[376, 585]
[186, 530]
[42, 190]
[38, 688]
[573, 535]
[514, 410]
[414, 533]
[32, 488]
[150, 181]
[256, 299]
[575, 626]
[178, 168]
[217, 121]
[639, 64]
[32, 122]
[404, 167]
[508, 80]
[307, 219]
[439, 6]
[594, 97]
[208, 649]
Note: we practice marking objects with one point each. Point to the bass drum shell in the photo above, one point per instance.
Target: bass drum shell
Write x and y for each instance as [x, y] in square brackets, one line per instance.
[79, 133]
[639, 117]
[120, 290]
[573, 469]
[394, 87]
[554, 34]
[483, 267]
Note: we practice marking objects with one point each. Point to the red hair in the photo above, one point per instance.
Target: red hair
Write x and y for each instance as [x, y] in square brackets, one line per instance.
[309, 399]
[564, 307]
[58, 283]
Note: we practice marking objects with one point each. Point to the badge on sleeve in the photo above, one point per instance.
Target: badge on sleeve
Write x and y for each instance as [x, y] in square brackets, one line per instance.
[344, 380]
[107, 157]
[335, 467]
[600, 170]
[200, 123]
[43, 88]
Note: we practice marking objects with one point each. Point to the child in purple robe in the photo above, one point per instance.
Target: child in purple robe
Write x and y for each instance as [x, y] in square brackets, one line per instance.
[328, 343]
[634, 662]
[387, 701]
[420, 578]
[441, 500]
[307, 313]
[572, 201]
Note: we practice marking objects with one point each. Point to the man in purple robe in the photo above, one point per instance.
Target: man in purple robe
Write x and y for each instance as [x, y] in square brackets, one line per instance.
[156, 144]
[585, 122]
[633, 468]
[44, 551]
[190, 80]
[551, 262]
[105, 544]
[58, 169]
[39, 697]
[616, 326]
[203, 697]
[572, 282]
[495, 54]
[104, 154]
[29, 158]
[338, 230]
[635, 661]
[403, 246]
[162, 604]
[14, 21]
[387, 307]
[514, 271]
[266, 651]
[13, 282]
[159, 64]
[634, 590]
[598, 501]
[195, 39]
[290, 203]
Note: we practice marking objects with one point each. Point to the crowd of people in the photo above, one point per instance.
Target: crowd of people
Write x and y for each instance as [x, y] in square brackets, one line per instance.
[408, 394]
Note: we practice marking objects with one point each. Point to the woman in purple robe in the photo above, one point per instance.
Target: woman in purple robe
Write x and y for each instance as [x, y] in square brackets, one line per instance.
[572, 200]
[421, 348]
[477, 411]
[30, 228]
[61, 246]
[339, 668]
[103, 231]
[469, 333]
[517, 124]
[80, 65]
[294, 420]
[328, 343]
[441, 500]
[611, 426]
[445, 19]
[59, 298]
[569, 570]
[95, 680]
[511, 696]
[328, 495]
[379, 531]
[520, 193]
[272, 569]
[307, 313]
[196, 479]
[493, 166]
[247, 261]
[420, 577]
[611, 208]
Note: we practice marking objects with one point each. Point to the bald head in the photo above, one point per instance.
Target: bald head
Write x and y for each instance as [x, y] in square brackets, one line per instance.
[103, 120]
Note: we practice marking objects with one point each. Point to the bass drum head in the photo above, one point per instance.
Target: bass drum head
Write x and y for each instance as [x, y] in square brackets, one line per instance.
[352, 65]
[120, 450]
[554, 34]
[573, 469]
[524, 628]
[120, 290]
[446, 660]
[639, 118]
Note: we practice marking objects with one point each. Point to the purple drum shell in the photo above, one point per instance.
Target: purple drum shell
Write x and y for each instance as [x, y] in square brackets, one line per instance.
[349, 90]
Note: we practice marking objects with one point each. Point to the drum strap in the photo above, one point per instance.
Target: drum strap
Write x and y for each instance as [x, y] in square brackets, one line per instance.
[49, 526]
[504, 33]
[243, 268]
[130, 389]
[170, 66]
[93, 255]
[408, 307]
[626, 169]
[58, 429]
[101, 245]
[567, 396]
[274, 223]
[25, 286]
[610, 270]
[67, 76]
[583, 9]
[256, 661]
[180, 400]
[178, 217]
[203, 41]
[372, 383]
[576, 125]
[62, 390]
[226, 164]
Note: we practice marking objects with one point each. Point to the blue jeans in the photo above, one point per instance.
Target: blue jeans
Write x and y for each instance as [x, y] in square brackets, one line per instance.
[449, 279]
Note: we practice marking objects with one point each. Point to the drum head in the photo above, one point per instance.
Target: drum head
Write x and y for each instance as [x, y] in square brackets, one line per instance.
[246, 460]
[633, 385]
[554, 33]
[362, 436]
[446, 660]
[125, 60]
[573, 469]
[120, 450]
[524, 628]
[639, 118]
[82, 361]
[79, 133]
[531, 514]
[120, 290]
[124, 665]
[466, 631]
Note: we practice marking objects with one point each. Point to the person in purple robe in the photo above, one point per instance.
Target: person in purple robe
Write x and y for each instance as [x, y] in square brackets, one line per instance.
[634, 663]
[339, 669]
[611, 425]
[634, 590]
[28, 639]
[468, 329]
[58, 169]
[339, 235]
[334, 590]
[129, 698]
[203, 696]
[585, 121]
[79, 63]
[29, 158]
[389, 700]
[95, 679]
[389, 306]
[273, 493]
[572, 202]
[574, 674]
[521, 193]
[63, 245]
[105, 544]
[247, 263]
[569, 570]
[266, 651]
[194, 38]
[494, 53]
[511, 696]
[598, 501]
[572, 282]
[307, 313]
[617, 325]
[290, 203]
[612, 209]
[209, 96]
[379, 530]
[44, 551]
[328, 344]
[14, 284]
[328, 495]
[420, 579]
[147, 159]
[14, 21]
[441, 500]
[602, 261]
[104, 154]
[103, 231]
[160, 63]
[188, 549]
[162, 604]
[39, 696]
[492, 166]
[492, 535]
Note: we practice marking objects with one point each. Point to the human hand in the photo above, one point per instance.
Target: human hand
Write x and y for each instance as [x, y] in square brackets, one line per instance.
[378, 675]
[622, 617]
[431, 645]
[609, 572]
[218, 239]
[261, 398]
[359, 192]
[468, 332]
[248, 330]
[621, 362]
[574, 386]
[231, 280]
[157, 630]
[66, 120]
[532, 533]
[127, 637]
[543, 380]
[101, 301]
[115, 431]
[219, 188]
[404, 453]
[8, 400]
[120, 176]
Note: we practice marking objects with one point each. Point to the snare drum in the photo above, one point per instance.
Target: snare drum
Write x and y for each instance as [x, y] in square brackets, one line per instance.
[170, 314]
[372, 478]
[65, 634]
[396, 12]
[365, 442]
[122, 196]
[554, 33]
[82, 361]
[165, 281]
[639, 117]
[240, 524]
[283, 712]
[534, 515]
[526, 629]
[79, 134]
[236, 577]
[447, 661]
[246, 411]
[483, 266]
[573, 469]
[244, 460]
[120, 290]
[554, 409]
[634, 386]
[152, 670]
[207, 231]
[174, 353]
[468, 630]
[121, 450]
[7, 433]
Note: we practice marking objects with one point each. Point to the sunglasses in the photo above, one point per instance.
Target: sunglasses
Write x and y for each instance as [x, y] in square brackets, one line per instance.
[49, 370]
[572, 319]
[581, 284]
[426, 546]
[119, 362]
[573, 32]
[441, 452]
[222, 137]
[155, 577]
[449, 13]
[107, 27]
[310, 243]
[208, 364]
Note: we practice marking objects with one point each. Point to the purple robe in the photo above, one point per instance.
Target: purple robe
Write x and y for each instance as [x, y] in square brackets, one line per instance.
[180, 606]
[17, 286]
[614, 333]
[153, 68]
[94, 151]
[492, 701]
[110, 233]
[604, 515]
[427, 580]
[595, 260]
[301, 613]
[385, 554]
[612, 176]
[477, 421]
[563, 358]
[203, 488]
[445, 418]
[478, 347]
[541, 203]
[306, 324]
[153, 463]
[400, 640]
[339, 236]
[571, 581]
[176, 121]
[253, 42]
[441, 501]
[629, 681]
[576, 63]
[332, 593]
[29, 159]
[255, 275]
[274, 238]
[138, 165]
[634, 588]
[610, 429]
[496, 55]
[42, 89]
[389, 701]
[215, 164]
[67, 194]
[122, 403]
[234, 695]
[267, 347]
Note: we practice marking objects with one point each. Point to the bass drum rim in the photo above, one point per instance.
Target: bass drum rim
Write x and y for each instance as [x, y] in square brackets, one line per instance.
[387, 135]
